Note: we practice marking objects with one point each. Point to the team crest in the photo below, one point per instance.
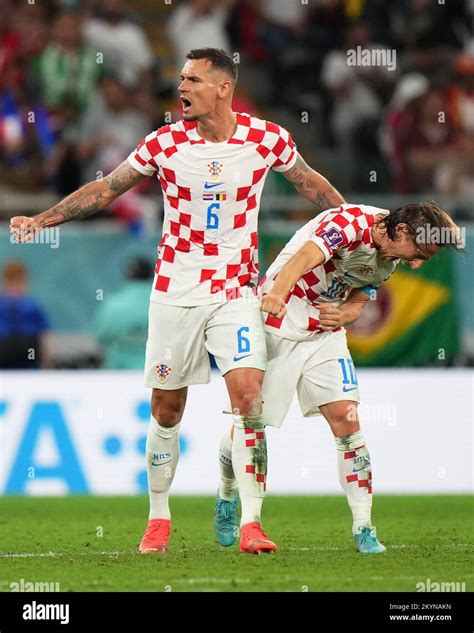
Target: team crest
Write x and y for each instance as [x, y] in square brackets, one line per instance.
[366, 270]
[163, 372]
[215, 168]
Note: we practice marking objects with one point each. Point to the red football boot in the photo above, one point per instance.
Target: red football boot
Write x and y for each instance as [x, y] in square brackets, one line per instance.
[253, 540]
[155, 540]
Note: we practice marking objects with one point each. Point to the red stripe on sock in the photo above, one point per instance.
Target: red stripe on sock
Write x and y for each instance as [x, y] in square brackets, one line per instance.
[349, 454]
[350, 478]
[363, 483]
[247, 431]
[249, 442]
[260, 435]
[250, 469]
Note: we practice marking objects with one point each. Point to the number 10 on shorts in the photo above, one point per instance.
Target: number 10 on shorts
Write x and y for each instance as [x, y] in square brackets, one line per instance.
[348, 372]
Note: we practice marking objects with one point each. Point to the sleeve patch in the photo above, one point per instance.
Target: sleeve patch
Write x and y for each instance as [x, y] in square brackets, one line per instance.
[332, 237]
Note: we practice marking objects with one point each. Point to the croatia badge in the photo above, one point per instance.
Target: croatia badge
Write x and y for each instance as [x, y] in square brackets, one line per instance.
[215, 169]
[163, 372]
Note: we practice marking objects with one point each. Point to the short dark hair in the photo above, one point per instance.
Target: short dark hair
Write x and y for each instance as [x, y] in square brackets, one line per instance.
[218, 58]
[421, 218]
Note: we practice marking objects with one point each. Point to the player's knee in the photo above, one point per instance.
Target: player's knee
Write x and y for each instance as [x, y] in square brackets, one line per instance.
[167, 409]
[343, 419]
[250, 402]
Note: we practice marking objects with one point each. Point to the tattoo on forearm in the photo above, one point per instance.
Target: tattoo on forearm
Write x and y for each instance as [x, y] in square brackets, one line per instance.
[322, 201]
[92, 197]
[78, 205]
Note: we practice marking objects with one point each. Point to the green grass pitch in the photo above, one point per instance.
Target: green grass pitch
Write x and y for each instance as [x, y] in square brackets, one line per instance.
[89, 544]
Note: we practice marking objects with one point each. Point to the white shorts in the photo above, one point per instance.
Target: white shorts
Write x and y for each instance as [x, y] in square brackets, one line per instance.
[319, 370]
[179, 340]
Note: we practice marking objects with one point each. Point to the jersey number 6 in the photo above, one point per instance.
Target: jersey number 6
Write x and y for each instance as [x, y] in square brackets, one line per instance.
[212, 218]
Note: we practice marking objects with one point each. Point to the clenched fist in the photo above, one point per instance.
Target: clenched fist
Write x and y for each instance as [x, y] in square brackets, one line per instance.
[274, 305]
[330, 317]
[23, 228]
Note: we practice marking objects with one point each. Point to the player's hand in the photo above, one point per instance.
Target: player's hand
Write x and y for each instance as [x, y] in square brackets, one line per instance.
[330, 317]
[23, 228]
[274, 305]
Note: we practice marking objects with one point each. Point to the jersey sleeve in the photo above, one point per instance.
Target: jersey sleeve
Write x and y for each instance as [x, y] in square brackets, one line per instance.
[282, 151]
[144, 157]
[339, 229]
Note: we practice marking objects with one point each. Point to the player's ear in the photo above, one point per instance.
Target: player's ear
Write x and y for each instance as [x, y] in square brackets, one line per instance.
[224, 89]
[401, 230]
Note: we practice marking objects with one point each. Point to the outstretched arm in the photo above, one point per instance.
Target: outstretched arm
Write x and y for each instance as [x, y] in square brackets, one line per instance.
[86, 201]
[313, 186]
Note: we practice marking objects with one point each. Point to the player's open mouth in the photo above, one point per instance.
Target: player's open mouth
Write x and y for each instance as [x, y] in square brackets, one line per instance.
[186, 103]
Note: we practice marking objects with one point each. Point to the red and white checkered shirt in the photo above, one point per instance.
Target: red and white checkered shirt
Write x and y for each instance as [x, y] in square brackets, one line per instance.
[211, 191]
[351, 261]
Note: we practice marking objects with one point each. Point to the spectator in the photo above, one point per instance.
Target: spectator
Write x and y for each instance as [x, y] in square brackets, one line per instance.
[111, 126]
[23, 323]
[352, 100]
[121, 323]
[198, 24]
[424, 139]
[124, 44]
[67, 70]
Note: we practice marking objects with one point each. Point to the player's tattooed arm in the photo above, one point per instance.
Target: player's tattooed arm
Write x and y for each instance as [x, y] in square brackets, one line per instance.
[93, 197]
[309, 256]
[87, 200]
[313, 186]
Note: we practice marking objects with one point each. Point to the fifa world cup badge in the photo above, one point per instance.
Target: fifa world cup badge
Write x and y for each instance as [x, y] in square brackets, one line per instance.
[163, 372]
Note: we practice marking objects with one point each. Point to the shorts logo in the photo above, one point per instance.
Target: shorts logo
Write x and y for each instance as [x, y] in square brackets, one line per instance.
[163, 372]
[215, 169]
[332, 237]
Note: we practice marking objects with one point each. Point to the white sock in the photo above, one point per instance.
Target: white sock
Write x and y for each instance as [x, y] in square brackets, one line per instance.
[228, 482]
[162, 453]
[355, 476]
[249, 461]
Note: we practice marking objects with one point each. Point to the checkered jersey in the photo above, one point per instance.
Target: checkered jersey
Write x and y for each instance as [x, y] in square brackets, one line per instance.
[351, 261]
[211, 191]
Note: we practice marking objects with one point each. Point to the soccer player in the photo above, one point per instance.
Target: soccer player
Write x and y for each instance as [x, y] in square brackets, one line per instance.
[320, 282]
[212, 167]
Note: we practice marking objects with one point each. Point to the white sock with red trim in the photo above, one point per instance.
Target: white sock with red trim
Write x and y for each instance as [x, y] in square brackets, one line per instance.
[355, 476]
[228, 482]
[162, 454]
[249, 461]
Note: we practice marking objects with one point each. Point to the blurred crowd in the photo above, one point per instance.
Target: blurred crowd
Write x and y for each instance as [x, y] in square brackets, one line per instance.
[82, 81]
